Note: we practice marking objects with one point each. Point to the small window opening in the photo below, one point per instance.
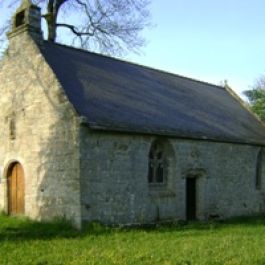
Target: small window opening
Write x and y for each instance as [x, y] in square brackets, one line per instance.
[156, 170]
[258, 170]
[12, 129]
[20, 18]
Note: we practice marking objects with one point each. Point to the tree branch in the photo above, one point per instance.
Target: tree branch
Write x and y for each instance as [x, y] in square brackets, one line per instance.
[108, 26]
[74, 30]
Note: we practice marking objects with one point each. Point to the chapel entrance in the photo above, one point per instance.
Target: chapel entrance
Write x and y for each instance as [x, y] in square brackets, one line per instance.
[16, 189]
[191, 199]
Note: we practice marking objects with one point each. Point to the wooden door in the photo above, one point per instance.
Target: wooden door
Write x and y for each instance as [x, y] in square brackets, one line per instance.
[191, 198]
[16, 200]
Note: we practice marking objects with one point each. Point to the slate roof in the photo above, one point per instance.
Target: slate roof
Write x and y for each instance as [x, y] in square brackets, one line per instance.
[120, 96]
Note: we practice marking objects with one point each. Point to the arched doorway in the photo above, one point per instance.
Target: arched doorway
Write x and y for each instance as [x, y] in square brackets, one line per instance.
[16, 189]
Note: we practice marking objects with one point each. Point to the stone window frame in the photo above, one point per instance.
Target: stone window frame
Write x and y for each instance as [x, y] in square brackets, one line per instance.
[12, 128]
[157, 165]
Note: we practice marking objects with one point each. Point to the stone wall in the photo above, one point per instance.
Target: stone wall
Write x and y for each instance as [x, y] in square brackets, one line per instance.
[115, 189]
[46, 134]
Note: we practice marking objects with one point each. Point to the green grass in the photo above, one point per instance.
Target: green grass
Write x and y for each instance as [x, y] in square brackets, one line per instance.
[237, 241]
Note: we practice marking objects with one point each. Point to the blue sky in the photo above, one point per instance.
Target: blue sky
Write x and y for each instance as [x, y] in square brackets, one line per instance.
[207, 40]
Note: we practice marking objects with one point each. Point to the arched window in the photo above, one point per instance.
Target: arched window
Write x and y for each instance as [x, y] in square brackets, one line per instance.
[156, 172]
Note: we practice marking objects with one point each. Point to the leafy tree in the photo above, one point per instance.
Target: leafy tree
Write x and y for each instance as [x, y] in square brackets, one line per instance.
[256, 97]
[109, 26]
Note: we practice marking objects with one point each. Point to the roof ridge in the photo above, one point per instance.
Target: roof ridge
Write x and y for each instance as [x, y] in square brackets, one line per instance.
[136, 64]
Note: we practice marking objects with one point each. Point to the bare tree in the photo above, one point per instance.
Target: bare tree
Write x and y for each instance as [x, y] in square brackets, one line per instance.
[108, 26]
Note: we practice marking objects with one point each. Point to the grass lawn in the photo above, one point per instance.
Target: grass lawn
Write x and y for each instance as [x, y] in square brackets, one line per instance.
[237, 241]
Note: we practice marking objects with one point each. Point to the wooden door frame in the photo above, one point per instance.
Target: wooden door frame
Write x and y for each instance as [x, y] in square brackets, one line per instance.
[9, 167]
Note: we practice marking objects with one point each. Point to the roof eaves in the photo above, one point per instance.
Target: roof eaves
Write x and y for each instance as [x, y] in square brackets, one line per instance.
[199, 137]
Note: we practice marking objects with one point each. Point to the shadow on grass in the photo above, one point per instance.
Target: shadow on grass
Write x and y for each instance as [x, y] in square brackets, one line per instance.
[19, 228]
[16, 229]
[23, 229]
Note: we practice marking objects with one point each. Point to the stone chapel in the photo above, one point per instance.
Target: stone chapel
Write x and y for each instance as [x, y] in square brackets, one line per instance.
[91, 138]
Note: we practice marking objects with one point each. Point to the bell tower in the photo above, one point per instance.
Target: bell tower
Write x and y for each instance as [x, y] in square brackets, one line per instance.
[27, 19]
